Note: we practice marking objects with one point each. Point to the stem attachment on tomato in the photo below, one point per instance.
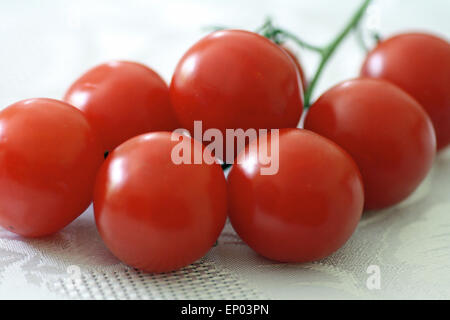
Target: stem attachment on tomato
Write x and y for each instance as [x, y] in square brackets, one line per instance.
[214, 28]
[331, 48]
[375, 37]
[279, 36]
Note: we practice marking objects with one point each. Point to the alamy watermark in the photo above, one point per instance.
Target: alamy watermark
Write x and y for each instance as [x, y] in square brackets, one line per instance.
[373, 282]
[264, 150]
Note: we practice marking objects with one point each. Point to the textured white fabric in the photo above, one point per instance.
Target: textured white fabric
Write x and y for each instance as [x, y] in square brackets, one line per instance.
[45, 45]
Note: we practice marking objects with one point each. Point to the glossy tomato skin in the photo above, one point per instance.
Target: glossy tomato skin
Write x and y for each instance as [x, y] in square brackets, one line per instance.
[121, 100]
[296, 61]
[236, 79]
[153, 214]
[420, 65]
[384, 129]
[49, 157]
[307, 210]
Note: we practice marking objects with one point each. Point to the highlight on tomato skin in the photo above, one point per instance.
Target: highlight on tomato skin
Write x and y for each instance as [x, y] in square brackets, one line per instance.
[234, 79]
[123, 99]
[49, 158]
[384, 129]
[304, 212]
[156, 215]
[419, 63]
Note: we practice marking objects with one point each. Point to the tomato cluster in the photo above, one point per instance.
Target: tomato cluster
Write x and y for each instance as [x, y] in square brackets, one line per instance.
[366, 144]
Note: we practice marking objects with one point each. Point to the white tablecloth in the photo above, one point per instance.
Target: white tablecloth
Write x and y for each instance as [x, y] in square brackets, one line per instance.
[47, 44]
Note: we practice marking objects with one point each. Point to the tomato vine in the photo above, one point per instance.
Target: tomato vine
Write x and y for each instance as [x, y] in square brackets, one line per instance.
[279, 35]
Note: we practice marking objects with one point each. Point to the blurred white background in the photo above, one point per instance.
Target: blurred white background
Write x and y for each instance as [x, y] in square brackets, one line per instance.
[46, 44]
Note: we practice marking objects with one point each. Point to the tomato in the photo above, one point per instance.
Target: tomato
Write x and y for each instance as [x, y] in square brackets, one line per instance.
[156, 215]
[49, 157]
[122, 100]
[420, 65]
[298, 65]
[236, 79]
[384, 129]
[304, 212]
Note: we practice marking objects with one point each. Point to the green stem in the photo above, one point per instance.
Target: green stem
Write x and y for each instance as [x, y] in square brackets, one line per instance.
[360, 37]
[279, 35]
[328, 51]
[214, 28]
[267, 23]
[297, 40]
[377, 37]
[374, 36]
[270, 32]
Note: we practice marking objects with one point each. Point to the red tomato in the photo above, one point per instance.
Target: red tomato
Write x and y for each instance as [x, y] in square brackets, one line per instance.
[236, 79]
[420, 65]
[384, 129]
[49, 158]
[299, 67]
[307, 210]
[153, 214]
[122, 100]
